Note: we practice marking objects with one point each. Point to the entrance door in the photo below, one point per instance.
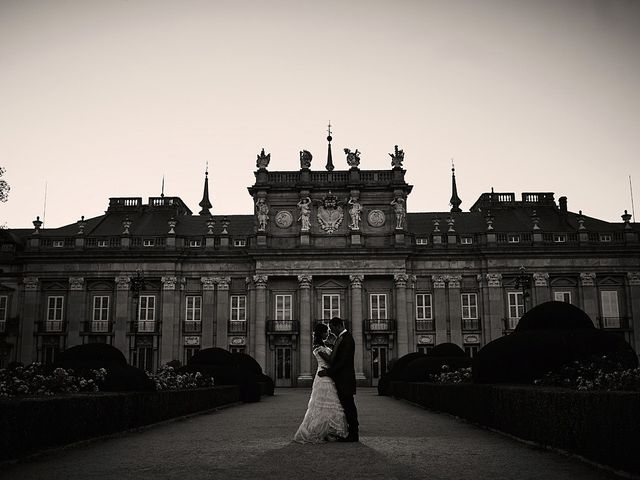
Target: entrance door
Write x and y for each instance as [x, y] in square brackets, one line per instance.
[378, 363]
[283, 366]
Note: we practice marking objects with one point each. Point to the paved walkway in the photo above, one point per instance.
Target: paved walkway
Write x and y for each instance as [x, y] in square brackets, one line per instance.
[398, 441]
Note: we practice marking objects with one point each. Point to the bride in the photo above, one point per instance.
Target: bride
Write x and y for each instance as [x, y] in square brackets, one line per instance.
[325, 419]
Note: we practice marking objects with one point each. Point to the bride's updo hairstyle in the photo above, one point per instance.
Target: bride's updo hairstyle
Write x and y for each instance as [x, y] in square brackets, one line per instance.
[319, 332]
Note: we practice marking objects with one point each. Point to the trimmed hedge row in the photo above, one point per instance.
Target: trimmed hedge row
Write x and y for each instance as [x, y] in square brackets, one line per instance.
[31, 424]
[601, 426]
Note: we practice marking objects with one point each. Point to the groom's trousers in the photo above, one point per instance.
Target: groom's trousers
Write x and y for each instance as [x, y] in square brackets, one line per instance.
[350, 411]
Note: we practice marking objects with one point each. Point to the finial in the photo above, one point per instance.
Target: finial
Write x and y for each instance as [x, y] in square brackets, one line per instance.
[162, 191]
[329, 137]
[205, 203]
[329, 166]
[455, 201]
[206, 168]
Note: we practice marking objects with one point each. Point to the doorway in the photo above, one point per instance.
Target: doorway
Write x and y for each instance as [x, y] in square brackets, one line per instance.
[283, 366]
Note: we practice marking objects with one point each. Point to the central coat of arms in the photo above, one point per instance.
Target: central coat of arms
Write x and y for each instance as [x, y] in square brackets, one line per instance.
[330, 213]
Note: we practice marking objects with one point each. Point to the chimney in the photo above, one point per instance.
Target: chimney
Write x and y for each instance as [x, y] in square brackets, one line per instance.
[562, 202]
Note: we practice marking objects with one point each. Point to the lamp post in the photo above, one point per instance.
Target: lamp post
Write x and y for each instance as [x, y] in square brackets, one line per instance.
[523, 282]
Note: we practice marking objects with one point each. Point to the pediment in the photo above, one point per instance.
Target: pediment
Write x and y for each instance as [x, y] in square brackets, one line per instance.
[100, 285]
[563, 282]
[610, 282]
[4, 288]
[331, 284]
[55, 286]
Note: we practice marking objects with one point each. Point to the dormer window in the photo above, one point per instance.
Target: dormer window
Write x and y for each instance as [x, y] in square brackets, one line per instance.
[605, 237]
[558, 238]
[195, 243]
[513, 238]
[466, 240]
[102, 243]
[240, 242]
[422, 241]
[58, 243]
[148, 242]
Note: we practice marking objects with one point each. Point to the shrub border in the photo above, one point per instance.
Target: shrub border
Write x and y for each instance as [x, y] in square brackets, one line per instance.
[34, 423]
[601, 426]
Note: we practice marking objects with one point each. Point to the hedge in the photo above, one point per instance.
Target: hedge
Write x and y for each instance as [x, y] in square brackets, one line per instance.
[601, 426]
[33, 423]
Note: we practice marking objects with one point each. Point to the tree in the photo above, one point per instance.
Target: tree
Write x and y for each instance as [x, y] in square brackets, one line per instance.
[4, 187]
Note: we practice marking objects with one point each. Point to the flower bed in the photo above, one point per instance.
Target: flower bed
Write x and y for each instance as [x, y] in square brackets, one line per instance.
[33, 380]
[167, 378]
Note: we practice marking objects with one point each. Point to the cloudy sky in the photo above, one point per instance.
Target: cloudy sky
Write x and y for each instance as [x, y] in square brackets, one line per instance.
[104, 98]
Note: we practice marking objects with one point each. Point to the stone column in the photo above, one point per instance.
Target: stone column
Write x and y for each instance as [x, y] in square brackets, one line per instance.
[589, 296]
[28, 321]
[251, 317]
[411, 312]
[440, 308]
[400, 281]
[541, 289]
[76, 311]
[496, 305]
[170, 320]
[633, 280]
[208, 294]
[455, 309]
[121, 318]
[222, 312]
[355, 284]
[305, 378]
[261, 319]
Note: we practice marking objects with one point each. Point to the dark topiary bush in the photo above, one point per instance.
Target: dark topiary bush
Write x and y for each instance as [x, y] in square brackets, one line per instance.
[270, 386]
[84, 356]
[447, 350]
[126, 378]
[554, 316]
[420, 368]
[247, 362]
[212, 356]
[384, 383]
[525, 356]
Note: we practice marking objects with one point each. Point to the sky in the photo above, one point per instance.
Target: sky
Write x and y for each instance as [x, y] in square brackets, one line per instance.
[104, 98]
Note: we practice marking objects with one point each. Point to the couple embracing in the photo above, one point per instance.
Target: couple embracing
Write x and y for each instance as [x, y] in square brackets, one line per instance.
[331, 413]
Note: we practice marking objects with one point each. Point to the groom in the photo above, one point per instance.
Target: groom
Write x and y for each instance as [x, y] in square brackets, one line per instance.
[343, 374]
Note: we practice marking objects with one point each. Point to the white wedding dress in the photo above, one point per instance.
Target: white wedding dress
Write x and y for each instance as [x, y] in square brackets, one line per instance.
[325, 415]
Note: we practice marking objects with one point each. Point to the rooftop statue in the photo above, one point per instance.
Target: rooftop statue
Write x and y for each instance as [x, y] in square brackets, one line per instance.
[262, 211]
[397, 158]
[305, 159]
[263, 160]
[353, 158]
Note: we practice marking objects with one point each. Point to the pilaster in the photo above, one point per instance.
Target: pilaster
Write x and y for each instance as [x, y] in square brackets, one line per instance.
[208, 311]
[541, 288]
[222, 312]
[355, 287]
[305, 378]
[496, 312]
[121, 318]
[31, 287]
[261, 319]
[169, 324]
[75, 311]
[455, 309]
[633, 281]
[400, 281]
[440, 308]
[589, 295]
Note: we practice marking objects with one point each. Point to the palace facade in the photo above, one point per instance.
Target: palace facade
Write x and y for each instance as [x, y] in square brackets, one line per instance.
[160, 283]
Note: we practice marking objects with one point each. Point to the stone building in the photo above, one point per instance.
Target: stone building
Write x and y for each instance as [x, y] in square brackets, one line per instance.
[159, 282]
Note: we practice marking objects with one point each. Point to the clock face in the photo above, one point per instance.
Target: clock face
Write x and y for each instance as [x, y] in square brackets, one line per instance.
[284, 219]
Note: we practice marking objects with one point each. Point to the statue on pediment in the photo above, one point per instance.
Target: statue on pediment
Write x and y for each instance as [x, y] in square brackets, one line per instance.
[399, 209]
[305, 213]
[397, 158]
[353, 158]
[355, 212]
[263, 160]
[305, 159]
[262, 212]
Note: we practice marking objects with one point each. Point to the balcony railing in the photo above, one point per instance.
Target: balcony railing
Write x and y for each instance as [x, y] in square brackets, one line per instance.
[425, 325]
[145, 326]
[97, 326]
[510, 323]
[282, 326]
[237, 326]
[470, 324]
[620, 323]
[51, 326]
[192, 326]
[379, 325]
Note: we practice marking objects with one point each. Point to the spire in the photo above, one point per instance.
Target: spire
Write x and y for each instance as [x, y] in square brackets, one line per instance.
[455, 200]
[162, 190]
[205, 203]
[329, 166]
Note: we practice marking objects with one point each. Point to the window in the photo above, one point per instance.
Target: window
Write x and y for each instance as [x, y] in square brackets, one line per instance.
[146, 313]
[148, 242]
[3, 312]
[378, 306]
[194, 308]
[283, 307]
[469, 305]
[238, 308]
[100, 317]
[58, 243]
[190, 352]
[195, 243]
[562, 296]
[471, 350]
[516, 308]
[610, 311]
[466, 240]
[424, 349]
[49, 354]
[102, 243]
[143, 358]
[330, 306]
[422, 241]
[237, 349]
[424, 317]
[558, 238]
[240, 242]
[513, 238]
[605, 237]
[54, 314]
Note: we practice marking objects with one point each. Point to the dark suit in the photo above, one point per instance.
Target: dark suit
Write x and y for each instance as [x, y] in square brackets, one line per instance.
[342, 372]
